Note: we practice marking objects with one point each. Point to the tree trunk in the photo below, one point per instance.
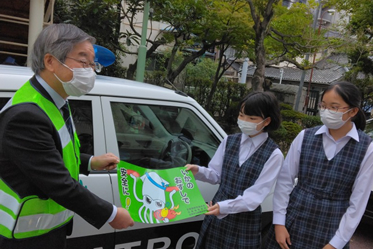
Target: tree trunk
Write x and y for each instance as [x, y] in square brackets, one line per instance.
[131, 71]
[213, 88]
[175, 48]
[259, 74]
[261, 26]
[218, 74]
[172, 74]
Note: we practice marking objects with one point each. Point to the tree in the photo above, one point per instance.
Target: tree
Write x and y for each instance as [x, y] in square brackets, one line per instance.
[263, 30]
[262, 13]
[129, 13]
[99, 18]
[359, 31]
[203, 26]
[235, 27]
[281, 34]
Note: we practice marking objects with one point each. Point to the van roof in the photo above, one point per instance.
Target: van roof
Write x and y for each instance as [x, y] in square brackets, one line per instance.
[13, 77]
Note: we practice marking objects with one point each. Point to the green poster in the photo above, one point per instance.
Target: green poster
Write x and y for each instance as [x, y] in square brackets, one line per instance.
[159, 196]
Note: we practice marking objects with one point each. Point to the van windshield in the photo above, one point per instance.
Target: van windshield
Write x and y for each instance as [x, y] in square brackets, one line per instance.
[157, 137]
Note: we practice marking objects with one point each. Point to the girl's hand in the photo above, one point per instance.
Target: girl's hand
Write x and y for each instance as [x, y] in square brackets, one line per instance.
[328, 246]
[282, 236]
[192, 167]
[213, 209]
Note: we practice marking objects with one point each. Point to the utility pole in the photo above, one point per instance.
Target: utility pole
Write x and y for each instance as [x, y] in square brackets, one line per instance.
[301, 83]
[330, 11]
[244, 71]
[281, 74]
[141, 58]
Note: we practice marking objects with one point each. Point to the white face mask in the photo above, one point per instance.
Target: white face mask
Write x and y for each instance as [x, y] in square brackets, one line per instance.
[249, 128]
[332, 120]
[82, 82]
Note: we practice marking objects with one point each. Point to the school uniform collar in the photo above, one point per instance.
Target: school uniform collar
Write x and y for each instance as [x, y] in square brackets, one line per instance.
[256, 141]
[352, 133]
[57, 99]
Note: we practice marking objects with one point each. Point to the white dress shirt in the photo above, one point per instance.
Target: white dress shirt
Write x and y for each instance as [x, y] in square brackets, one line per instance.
[360, 190]
[253, 196]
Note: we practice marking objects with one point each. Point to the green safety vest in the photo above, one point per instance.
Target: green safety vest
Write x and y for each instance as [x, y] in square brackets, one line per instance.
[31, 216]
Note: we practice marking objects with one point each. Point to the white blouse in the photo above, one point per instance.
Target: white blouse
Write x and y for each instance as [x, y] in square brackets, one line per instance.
[253, 196]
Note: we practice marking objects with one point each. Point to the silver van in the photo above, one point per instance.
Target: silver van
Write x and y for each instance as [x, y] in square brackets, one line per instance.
[368, 215]
[145, 125]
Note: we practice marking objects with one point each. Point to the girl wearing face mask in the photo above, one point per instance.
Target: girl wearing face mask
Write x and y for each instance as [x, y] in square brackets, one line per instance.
[334, 167]
[246, 166]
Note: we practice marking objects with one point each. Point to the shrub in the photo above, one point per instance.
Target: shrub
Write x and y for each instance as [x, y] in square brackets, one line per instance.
[310, 121]
[285, 135]
[284, 106]
[292, 116]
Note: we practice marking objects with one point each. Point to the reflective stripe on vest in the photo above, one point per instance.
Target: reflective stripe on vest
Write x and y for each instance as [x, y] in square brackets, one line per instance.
[31, 216]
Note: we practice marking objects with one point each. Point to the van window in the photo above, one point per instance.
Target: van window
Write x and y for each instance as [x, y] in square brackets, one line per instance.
[3, 102]
[160, 137]
[82, 116]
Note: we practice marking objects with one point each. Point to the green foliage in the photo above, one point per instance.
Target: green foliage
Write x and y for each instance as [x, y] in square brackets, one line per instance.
[291, 115]
[156, 77]
[100, 19]
[225, 102]
[362, 19]
[359, 48]
[178, 57]
[365, 85]
[305, 121]
[227, 93]
[285, 135]
[360, 59]
[203, 26]
[310, 121]
[203, 69]
[284, 106]
[199, 90]
[295, 25]
[292, 123]
[200, 25]
[292, 129]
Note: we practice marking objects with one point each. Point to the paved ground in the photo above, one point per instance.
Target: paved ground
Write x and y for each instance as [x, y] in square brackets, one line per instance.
[363, 237]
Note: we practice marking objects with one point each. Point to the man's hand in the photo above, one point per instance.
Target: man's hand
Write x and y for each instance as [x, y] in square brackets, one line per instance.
[192, 167]
[122, 219]
[282, 236]
[108, 161]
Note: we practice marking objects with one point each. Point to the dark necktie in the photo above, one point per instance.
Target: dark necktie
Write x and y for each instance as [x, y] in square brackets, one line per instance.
[66, 116]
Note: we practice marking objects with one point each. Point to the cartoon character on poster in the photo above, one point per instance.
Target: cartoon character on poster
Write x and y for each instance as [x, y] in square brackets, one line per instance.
[159, 196]
[154, 190]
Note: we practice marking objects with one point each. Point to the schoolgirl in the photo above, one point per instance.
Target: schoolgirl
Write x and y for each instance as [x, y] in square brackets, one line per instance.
[246, 166]
[333, 165]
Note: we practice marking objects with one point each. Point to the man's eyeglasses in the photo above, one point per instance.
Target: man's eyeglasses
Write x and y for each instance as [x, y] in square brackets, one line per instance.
[332, 109]
[94, 65]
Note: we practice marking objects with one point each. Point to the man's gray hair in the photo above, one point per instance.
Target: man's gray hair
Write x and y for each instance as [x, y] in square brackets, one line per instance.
[57, 40]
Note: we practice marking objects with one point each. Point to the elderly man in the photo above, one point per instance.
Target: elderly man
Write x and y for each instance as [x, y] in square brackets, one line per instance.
[39, 148]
